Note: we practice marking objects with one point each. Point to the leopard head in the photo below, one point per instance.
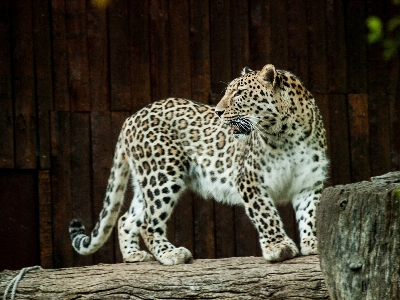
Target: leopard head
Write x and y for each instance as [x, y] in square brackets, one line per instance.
[249, 100]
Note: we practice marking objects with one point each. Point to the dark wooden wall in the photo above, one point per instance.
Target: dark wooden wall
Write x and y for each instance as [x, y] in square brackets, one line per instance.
[70, 73]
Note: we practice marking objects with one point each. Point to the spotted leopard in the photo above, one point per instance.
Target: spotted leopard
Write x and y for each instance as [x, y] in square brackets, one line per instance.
[263, 145]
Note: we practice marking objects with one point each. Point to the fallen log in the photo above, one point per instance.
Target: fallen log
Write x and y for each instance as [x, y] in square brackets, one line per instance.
[230, 278]
[358, 227]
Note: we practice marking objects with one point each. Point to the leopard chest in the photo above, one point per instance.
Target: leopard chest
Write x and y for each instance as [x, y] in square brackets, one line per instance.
[283, 174]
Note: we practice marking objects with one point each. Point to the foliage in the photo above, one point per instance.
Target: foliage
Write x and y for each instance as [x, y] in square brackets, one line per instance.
[388, 34]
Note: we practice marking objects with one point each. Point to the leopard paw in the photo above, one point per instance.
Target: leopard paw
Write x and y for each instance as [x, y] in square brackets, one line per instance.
[285, 249]
[138, 256]
[309, 246]
[175, 256]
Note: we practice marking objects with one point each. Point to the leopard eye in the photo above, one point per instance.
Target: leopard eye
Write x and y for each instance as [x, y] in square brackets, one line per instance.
[238, 93]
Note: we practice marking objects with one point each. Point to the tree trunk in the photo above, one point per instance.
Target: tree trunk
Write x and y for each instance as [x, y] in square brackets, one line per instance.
[230, 278]
[359, 239]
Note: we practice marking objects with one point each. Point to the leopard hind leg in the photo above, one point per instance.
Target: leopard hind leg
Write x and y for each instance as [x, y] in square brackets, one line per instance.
[159, 206]
[129, 230]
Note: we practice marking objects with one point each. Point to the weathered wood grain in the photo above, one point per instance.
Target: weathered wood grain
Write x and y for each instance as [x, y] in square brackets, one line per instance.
[231, 278]
[359, 236]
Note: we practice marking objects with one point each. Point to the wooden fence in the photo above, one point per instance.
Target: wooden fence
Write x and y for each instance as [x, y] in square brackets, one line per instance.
[71, 72]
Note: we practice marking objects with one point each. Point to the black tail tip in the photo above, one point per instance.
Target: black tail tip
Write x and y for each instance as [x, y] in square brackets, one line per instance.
[76, 227]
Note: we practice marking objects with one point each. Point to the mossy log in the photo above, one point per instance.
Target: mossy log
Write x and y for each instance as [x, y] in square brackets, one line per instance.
[358, 227]
[230, 278]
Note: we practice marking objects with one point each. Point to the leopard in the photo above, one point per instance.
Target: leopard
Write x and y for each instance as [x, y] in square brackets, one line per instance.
[263, 145]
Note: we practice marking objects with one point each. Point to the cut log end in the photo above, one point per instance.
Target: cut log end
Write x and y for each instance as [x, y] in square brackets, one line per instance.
[358, 228]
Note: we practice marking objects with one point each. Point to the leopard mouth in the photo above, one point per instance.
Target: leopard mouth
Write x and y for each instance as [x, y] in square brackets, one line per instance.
[240, 127]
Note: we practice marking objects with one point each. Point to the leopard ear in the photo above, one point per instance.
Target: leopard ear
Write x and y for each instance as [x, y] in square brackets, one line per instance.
[246, 70]
[267, 75]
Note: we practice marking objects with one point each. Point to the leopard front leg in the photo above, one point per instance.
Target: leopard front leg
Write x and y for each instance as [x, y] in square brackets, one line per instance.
[275, 244]
[305, 205]
[153, 230]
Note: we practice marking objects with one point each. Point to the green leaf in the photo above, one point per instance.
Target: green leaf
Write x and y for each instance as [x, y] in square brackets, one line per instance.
[393, 23]
[391, 46]
[374, 25]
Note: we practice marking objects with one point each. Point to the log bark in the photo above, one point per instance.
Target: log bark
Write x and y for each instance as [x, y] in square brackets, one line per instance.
[230, 278]
[358, 227]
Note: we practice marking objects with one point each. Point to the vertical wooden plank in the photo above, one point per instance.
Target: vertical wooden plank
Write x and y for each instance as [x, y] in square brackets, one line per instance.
[378, 104]
[317, 52]
[43, 75]
[120, 77]
[24, 87]
[221, 75]
[204, 236]
[81, 185]
[61, 188]
[260, 34]
[220, 32]
[297, 39]
[60, 56]
[359, 137]
[339, 134]
[159, 52]
[179, 49]
[200, 50]
[336, 47]
[117, 120]
[97, 48]
[45, 219]
[279, 31]
[102, 157]
[240, 43]
[78, 79]
[186, 230]
[139, 47]
[6, 111]
[356, 46]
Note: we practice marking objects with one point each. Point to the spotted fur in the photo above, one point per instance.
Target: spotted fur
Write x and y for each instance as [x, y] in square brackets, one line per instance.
[266, 147]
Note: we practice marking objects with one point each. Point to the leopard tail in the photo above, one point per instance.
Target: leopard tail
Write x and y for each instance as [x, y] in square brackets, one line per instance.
[117, 182]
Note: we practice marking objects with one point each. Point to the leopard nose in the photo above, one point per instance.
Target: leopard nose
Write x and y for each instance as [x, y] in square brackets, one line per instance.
[219, 112]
